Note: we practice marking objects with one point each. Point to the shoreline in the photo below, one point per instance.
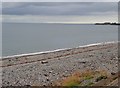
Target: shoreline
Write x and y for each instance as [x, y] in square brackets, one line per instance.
[41, 69]
[56, 50]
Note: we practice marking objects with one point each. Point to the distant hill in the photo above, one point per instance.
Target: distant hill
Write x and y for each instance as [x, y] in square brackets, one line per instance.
[107, 23]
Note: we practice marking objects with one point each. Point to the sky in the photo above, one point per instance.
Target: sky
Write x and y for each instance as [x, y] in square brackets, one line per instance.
[59, 12]
[60, 0]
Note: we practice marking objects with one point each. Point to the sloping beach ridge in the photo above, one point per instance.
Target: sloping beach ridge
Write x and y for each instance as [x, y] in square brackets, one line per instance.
[64, 67]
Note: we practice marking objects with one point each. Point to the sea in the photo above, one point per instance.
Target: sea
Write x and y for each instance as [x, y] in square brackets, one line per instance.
[23, 38]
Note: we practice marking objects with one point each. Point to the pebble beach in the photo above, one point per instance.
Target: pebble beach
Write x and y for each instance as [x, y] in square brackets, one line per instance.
[44, 68]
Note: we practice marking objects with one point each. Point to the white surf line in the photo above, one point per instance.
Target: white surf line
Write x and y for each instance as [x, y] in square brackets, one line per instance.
[102, 43]
[44, 52]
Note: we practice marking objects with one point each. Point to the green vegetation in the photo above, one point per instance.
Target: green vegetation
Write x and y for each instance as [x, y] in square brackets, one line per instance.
[72, 84]
[88, 77]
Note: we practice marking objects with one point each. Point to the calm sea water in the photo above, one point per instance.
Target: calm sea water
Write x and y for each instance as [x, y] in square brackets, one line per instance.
[20, 38]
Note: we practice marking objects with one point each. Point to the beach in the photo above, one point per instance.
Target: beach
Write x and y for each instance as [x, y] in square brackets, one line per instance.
[44, 68]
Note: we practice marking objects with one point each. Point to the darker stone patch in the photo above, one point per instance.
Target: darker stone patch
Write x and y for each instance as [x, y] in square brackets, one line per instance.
[44, 62]
[112, 73]
[83, 62]
[47, 79]
[45, 75]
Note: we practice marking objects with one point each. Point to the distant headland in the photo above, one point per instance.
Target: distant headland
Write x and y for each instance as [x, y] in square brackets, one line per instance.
[107, 23]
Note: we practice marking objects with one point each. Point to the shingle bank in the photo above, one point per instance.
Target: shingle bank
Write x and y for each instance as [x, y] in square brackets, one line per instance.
[44, 68]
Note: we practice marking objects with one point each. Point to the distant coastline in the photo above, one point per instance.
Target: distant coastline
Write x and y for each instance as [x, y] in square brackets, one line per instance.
[107, 23]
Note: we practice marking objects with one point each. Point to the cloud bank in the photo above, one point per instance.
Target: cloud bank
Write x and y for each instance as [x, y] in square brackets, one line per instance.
[59, 11]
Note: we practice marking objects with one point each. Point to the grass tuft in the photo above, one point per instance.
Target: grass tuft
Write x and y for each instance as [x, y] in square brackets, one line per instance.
[78, 78]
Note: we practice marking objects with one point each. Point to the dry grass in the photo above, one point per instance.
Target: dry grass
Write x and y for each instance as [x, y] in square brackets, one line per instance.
[73, 80]
[77, 77]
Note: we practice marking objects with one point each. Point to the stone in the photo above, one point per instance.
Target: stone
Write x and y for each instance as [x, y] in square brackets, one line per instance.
[50, 71]
[47, 79]
[44, 62]
[112, 73]
[45, 75]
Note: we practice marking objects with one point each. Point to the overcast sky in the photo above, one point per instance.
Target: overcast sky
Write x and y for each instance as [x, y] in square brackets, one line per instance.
[60, 0]
[60, 12]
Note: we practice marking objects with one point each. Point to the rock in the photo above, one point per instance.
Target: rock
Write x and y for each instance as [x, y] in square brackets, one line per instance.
[47, 79]
[44, 70]
[54, 74]
[64, 75]
[45, 75]
[82, 62]
[112, 73]
[91, 55]
[50, 71]
[44, 62]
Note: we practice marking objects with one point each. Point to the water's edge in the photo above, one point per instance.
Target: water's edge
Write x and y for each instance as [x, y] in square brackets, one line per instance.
[42, 56]
[56, 50]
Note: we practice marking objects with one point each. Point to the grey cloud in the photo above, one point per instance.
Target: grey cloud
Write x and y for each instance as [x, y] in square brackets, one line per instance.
[59, 8]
